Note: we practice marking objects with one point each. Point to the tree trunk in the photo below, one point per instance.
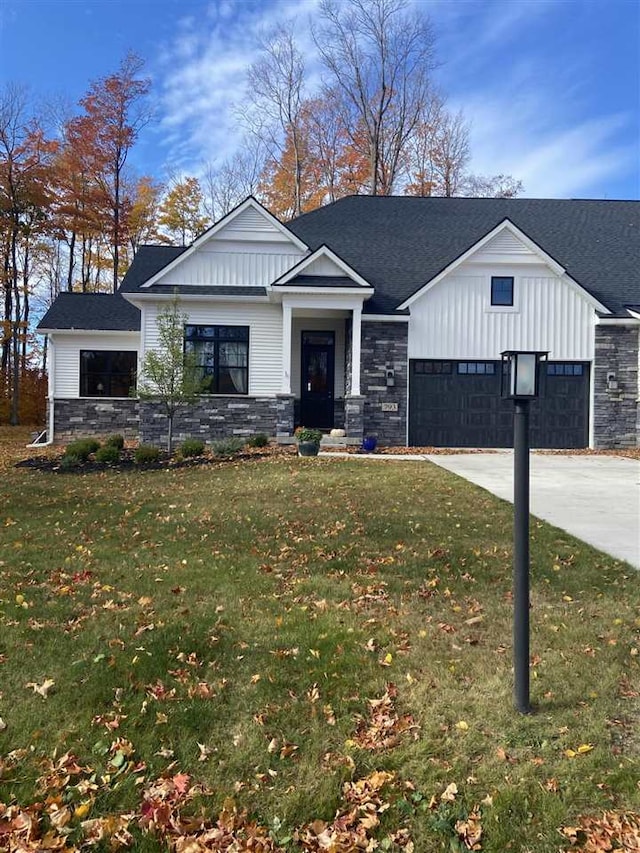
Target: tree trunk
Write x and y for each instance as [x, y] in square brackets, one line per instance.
[25, 314]
[14, 416]
[116, 227]
[170, 434]
[8, 313]
[72, 246]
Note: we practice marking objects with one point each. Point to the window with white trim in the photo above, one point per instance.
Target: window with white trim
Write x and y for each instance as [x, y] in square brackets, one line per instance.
[107, 373]
[502, 290]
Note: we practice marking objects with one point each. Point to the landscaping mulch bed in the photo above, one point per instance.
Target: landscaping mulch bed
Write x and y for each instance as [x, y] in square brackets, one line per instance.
[54, 463]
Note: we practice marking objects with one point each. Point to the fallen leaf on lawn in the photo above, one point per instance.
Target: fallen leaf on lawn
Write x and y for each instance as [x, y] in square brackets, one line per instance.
[3, 725]
[608, 831]
[462, 725]
[42, 689]
[449, 793]
[205, 751]
[470, 830]
[329, 715]
[82, 810]
[288, 749]
[164, 752]
[385, 726]
[585, 747]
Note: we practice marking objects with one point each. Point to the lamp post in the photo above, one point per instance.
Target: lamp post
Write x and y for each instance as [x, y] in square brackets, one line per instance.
[521, 383]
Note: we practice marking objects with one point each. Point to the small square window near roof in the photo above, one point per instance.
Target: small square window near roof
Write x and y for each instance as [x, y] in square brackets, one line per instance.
[501, 290]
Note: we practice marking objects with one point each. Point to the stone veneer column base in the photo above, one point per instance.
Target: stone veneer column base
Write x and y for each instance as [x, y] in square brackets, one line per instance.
[616, 414]
[285, 414]
[99, 416]
[354, 416]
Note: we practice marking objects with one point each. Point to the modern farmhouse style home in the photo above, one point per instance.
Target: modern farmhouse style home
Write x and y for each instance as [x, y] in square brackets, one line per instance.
[384, 316]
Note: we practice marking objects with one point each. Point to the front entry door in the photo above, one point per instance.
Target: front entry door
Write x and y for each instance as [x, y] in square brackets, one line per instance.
[317, 379]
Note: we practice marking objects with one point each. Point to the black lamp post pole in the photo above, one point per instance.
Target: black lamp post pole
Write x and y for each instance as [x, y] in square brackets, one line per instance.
[521, 557]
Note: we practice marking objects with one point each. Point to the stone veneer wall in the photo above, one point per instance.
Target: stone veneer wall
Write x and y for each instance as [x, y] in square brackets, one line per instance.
[211, 418]
[384, 345]
[77, 418]
[616, 414]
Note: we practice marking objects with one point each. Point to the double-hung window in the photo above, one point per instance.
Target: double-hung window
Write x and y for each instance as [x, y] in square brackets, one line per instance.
[502, 290]
[221, 357]
[107, 373]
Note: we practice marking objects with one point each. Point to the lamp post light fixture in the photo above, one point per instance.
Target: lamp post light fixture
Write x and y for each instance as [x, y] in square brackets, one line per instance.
[521, 383]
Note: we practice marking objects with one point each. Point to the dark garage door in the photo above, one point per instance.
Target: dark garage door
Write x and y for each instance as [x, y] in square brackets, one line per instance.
[458, 404]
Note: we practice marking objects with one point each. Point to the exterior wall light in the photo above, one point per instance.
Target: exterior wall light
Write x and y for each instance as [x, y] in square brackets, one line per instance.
[521, 383]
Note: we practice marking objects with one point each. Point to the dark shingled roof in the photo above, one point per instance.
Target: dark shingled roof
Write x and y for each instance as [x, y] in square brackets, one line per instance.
[398, 243]
[321, 281]
[147, 262]
[91, 311]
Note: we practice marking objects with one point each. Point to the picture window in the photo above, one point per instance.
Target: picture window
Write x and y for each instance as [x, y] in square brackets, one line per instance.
[221, 355]
[107, 373]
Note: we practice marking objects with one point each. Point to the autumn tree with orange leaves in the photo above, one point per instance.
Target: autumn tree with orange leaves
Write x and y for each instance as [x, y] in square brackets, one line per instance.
[25, 199]
[181, 215]
[115, 111]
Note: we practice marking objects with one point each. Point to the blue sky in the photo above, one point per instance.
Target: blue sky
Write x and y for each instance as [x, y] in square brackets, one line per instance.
[551, 87]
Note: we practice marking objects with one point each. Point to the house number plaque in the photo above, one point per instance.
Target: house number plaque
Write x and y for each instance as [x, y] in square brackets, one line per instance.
[389, 407]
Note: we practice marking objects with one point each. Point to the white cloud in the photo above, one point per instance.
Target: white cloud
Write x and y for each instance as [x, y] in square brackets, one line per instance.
[534, 121]
[203, 76]
[554, 154]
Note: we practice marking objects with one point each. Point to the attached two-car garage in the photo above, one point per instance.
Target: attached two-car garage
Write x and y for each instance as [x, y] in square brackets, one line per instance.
[458, 404]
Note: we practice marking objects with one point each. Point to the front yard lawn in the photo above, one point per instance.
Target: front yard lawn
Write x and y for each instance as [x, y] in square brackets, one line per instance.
[301, 638]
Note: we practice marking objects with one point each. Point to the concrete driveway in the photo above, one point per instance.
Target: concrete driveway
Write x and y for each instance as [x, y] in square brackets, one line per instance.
[595, 498]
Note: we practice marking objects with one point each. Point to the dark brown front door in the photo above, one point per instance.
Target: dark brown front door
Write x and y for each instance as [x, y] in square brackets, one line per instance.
[317, 379]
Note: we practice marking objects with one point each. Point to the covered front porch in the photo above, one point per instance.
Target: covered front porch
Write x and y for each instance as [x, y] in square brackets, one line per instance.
[321, 365]
[322, 300]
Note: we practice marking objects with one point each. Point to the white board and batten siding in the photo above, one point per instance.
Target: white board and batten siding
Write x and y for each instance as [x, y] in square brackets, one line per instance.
[455, 318]
[265, 336]
[248, 264]
[66, 355]
[248, 250]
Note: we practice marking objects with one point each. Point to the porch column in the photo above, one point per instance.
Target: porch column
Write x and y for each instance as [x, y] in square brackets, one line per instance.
[356, 337]
[286, 349]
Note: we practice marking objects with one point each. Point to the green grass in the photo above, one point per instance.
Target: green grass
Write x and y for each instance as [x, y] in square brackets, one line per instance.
[267, 579]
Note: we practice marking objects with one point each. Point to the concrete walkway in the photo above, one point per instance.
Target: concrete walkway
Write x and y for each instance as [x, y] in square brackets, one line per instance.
[595, 498]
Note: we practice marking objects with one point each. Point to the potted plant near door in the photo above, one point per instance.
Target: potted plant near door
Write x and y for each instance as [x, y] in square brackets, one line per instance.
[308, 441]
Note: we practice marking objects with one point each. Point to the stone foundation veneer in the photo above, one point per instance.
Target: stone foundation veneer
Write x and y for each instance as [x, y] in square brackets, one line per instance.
[285, 410]
[354, 416]
[384, 345]
[211, 418]
[616, 413]
[90, 416]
